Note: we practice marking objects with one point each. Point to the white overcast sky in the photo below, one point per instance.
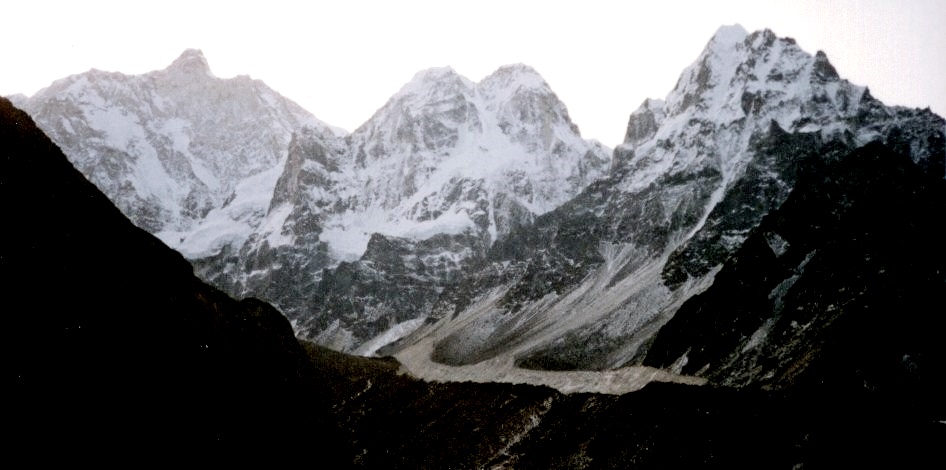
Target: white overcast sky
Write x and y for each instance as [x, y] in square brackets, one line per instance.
[343, 59]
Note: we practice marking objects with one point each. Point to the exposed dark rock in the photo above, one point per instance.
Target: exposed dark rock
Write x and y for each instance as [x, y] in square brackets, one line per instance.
[115, 345]
[823, 70]
[833, 291]
[765, 185]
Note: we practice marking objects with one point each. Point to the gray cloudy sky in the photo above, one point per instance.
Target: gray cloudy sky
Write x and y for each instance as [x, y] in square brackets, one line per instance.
[342, 60]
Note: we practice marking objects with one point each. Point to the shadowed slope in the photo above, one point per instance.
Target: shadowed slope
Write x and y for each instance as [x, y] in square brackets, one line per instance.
[835, 291]
[110, 338]
[112, 343]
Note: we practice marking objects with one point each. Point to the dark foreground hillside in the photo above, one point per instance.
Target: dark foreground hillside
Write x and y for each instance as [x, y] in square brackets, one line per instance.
[111, 341]
[113, 347]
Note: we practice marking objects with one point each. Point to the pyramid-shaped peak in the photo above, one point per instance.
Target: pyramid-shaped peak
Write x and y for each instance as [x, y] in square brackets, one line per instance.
[519, 75]
[516, 69]
[191, 61]
[822, 68]
[435, 73]
[435, 77]
[728, 35]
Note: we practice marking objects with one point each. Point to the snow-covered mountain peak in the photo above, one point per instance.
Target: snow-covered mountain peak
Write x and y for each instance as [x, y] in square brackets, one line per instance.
[432, 83]
[191, 62]
[740, 83]
[427, 115]
[696, 174]
[438, 174]
[728, 35]
[713, 70]
[511, 116]
[526, 108]
[738, 74]
[435, 156]
[188, 156]
[363, 235]
[509, 79]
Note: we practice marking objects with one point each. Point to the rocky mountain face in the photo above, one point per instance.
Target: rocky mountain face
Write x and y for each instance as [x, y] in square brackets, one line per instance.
[187, 156]
[262, 197]
[835, 288]
[468, 223]
[440, 173]
[589, 283]
[128, 348]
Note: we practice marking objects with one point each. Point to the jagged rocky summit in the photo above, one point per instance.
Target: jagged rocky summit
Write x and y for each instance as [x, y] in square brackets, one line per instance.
[589, 284]
[469, 223]
[420, 191]
[263, 197]
[128, 348]
[187, 156]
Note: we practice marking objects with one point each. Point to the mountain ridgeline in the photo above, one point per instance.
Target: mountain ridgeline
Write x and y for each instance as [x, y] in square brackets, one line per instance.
[116, 349]
[589, 284]
[113, 342]
[440, 172]
[469, 223]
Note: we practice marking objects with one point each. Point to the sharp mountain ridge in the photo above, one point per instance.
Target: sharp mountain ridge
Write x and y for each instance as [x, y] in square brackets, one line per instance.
[439, 173]
[469, 222]
[588, 284]
[115, 344]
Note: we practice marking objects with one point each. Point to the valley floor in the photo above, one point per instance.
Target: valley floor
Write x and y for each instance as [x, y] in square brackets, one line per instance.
[416, 362]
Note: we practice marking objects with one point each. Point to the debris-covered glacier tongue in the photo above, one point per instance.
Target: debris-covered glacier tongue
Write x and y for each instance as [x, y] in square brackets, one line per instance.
[588, 284]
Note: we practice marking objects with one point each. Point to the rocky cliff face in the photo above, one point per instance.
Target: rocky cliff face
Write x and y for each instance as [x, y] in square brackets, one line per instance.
[833, 289]
[262, 197]
[363, 234]
[589, 283]
[816, 333]
[187, 156]
[468, 222]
